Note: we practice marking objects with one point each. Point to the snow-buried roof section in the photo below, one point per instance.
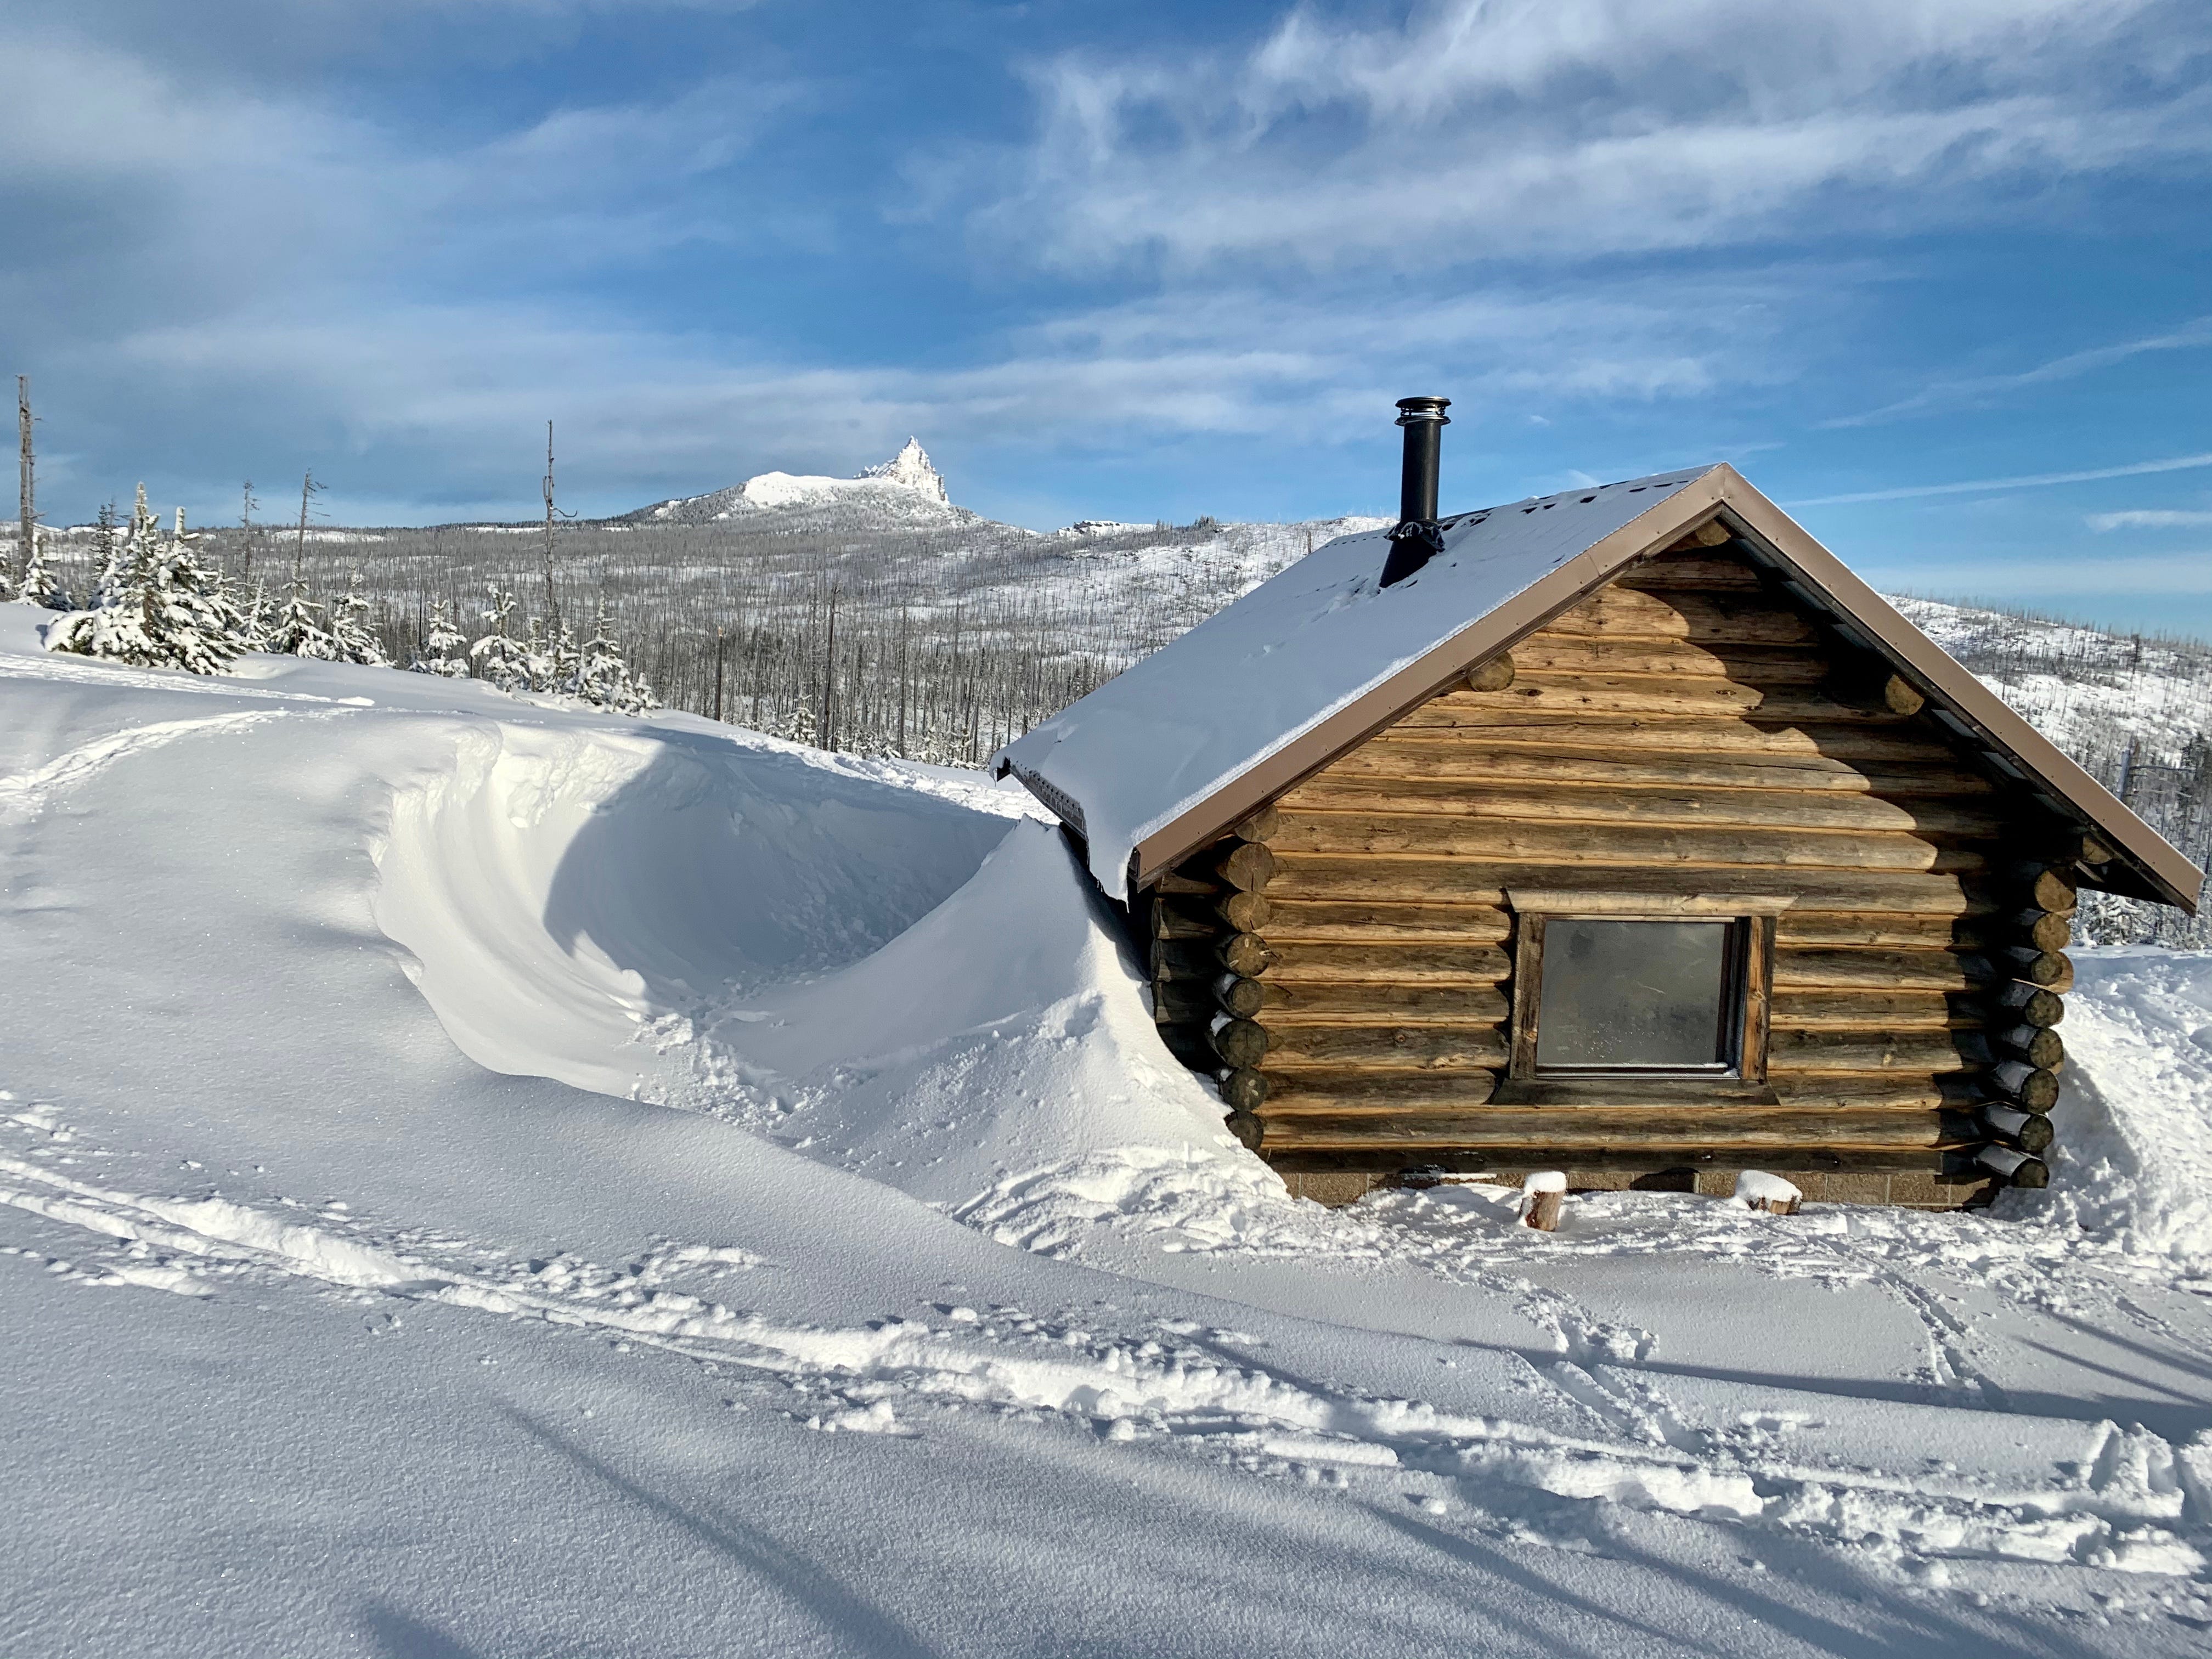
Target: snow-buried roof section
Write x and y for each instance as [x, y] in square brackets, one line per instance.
[1168, 755]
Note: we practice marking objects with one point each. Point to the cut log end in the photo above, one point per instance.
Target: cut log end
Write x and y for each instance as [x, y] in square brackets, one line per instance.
[1496, 675]
[1248, 1129]
[2016, 1167]
[1239, 1043]
[1248, 867]
[1244, 1091]
[1260, 825]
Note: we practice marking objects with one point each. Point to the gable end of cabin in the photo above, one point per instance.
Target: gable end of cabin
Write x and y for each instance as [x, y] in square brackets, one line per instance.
[1686, 884]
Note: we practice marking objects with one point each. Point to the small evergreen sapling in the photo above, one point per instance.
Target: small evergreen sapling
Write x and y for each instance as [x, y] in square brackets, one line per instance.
[500, 659]
[444, 650]
[350, 638]
[39, 585]
[297, 630]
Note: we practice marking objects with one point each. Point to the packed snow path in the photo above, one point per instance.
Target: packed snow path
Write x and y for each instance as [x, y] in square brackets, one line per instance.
[487, 1179]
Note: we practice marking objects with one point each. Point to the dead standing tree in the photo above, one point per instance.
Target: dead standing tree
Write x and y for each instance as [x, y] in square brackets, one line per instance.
[552, 599]
[28, 505]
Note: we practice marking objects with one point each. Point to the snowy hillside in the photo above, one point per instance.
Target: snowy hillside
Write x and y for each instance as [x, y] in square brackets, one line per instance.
[480, 1178]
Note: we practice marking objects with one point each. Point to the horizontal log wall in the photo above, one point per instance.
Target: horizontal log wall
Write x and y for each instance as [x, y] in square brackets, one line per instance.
[1686, 729]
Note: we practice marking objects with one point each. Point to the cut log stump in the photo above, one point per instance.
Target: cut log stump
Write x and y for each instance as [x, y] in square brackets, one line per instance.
[1543, 1199]
[1768, 1195]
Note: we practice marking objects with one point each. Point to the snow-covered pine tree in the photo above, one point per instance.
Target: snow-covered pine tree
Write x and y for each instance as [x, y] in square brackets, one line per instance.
[297, 630]
[350, 638]
[538, 659]
[40, 585]
[158, 607]
[564, 661]
[499, 659]
[260, 618]
[445, 648]
[114, 626]
[604, 677]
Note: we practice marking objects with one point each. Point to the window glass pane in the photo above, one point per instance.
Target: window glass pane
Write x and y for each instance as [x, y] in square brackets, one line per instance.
[1633, 993]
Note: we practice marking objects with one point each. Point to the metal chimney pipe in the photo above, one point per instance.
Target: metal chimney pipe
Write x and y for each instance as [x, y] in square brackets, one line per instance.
[1416, 539]
[1424, 421]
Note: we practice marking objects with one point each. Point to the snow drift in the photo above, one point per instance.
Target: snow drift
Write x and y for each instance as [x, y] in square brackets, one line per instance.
[357, 1266]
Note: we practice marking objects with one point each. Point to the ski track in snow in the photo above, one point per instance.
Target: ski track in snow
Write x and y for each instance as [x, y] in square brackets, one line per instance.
[2130, 1503]
[25, 794]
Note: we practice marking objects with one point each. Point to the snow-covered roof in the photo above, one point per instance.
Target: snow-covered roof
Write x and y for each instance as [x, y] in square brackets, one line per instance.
[1168, 754]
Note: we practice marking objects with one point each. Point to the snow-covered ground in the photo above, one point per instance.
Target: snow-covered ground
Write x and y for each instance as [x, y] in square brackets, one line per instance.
[484, 1179]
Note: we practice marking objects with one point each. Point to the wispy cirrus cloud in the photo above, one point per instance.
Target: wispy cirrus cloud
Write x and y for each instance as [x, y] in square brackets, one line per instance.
[1944, 396]
[2030, 481]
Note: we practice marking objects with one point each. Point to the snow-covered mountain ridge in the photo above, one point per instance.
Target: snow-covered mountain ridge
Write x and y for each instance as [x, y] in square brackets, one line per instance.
[905, 492]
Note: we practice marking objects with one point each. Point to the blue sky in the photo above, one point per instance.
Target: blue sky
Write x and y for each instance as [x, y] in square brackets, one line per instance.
[1141, 261]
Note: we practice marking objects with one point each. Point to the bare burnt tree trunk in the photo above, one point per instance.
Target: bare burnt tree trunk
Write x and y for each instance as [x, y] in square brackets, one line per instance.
[28, 523]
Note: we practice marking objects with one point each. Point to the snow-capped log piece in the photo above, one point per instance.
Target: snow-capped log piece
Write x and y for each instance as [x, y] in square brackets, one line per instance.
[1627, 833]
[1544, 1200]
[1769, 1194]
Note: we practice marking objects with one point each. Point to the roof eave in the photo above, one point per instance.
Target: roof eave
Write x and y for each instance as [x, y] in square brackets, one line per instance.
[1657, 526]
[2162, 872]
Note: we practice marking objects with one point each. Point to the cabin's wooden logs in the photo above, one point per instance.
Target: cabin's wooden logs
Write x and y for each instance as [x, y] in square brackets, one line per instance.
[1673, 1128]
[1774, 807]
[1340, 962]
[1429, 1047]
[1637, 845]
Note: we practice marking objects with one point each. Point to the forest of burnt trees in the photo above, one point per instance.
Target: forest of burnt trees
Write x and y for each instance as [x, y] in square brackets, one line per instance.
[933, 644]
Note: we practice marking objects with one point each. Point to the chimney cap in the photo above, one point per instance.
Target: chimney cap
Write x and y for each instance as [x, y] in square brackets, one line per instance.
[1419, 411]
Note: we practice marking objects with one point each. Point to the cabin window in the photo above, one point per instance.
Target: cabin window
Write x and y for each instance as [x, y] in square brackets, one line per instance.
[1639, 996]
[1650, 985]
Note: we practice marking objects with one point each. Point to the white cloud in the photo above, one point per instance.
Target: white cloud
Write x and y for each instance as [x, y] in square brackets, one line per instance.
[2146, 518]
[1478, 130]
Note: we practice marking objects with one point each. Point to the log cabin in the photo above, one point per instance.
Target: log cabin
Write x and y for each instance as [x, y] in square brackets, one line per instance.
[1623, 832]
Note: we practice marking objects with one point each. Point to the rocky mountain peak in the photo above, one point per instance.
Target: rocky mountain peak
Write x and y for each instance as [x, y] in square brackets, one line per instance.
[911, 468]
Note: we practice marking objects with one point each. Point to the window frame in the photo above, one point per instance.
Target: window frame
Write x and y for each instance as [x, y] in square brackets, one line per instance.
[1749, 965]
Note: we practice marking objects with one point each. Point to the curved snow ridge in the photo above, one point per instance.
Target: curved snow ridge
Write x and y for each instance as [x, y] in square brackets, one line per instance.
[572, 896]
[25, 794]
[2047, 1492]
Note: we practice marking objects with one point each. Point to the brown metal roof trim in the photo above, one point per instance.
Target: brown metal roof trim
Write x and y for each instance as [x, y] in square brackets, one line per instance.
[2162, 873]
